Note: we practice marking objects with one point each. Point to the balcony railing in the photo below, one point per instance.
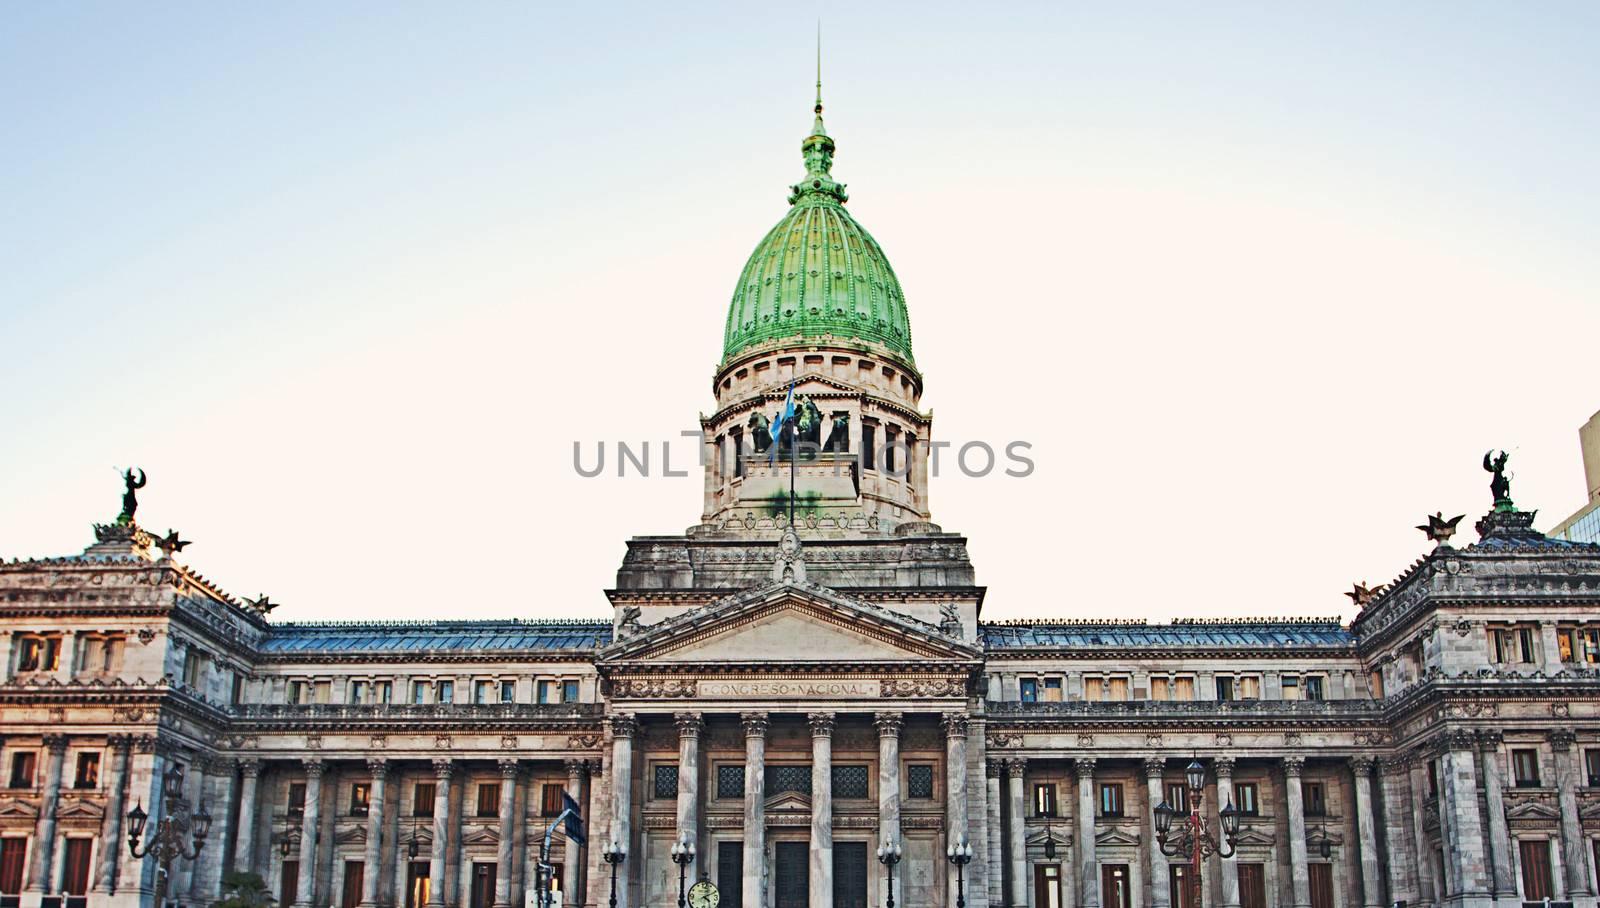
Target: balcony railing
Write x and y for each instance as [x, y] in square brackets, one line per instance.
[1153, 708]
[415, 711]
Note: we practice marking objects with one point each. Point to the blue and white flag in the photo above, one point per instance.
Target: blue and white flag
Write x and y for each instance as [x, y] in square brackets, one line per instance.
[784, 415]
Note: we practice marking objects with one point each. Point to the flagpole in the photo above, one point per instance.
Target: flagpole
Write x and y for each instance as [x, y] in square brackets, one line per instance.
[794, 444]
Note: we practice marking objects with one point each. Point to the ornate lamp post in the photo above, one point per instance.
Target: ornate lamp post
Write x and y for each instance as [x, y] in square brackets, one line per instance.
[166, 843]
[683, 856]
[1192, 840]
[889, 854]
[1049, 838]
[613, 855]
[960, 854]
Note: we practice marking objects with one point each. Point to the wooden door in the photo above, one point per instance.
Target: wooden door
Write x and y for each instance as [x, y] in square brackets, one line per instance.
[1321, 885]
[12, 852]
[75, 872]
[354, 873]
[1537, 881]
[730, 874]
[289, 883]
[849, 875]
[1180, 887]
[1047, 886]
[483, 880]
[791, 882]
[417, 888]
[1252, 886]
[1116, 887]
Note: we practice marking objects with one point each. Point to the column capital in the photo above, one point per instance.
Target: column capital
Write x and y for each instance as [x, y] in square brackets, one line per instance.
[597, 768]
[1489, 740]
[119, 742]
[690, 725]
[993, 768]
[509, 768]
[250, 767]
[755, 724]
[1016, 768]
[379, 767]
[576, 767]
[314, 767]
[1362, 766]
[1562, 739]
[57, 744]
[1292, 766]
[1155, 767]
[1223, 767]
[1460, 739]
[443, 769]
[955, 724]
[1393, 766]
[821, 724]
[624, 725]
[1084, 767]
[888, 724]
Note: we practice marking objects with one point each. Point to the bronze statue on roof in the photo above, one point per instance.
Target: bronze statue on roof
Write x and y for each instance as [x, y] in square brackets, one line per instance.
[130, 501]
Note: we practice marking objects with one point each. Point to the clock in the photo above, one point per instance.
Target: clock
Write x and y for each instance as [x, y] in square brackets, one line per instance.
[704, 894]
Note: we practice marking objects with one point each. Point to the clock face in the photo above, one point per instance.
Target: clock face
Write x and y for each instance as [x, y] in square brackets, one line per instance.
[704, 895]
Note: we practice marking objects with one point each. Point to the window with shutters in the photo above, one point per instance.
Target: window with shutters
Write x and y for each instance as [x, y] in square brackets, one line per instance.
[360, 798]
[88, 775]
[1111, 799]
[296, 803]
[730, 870]
[1316, 798]
[489, 799]
[919, 781]
[1525, 768]
[550, 801]
[665, 781]
[730, 780]
[1247, 799]
[422, 799]
[1044, 799]
[788, 777]
[850, 781]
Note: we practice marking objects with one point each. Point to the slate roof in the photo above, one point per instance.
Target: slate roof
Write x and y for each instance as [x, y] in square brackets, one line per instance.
[422, 636]
[1244, 634]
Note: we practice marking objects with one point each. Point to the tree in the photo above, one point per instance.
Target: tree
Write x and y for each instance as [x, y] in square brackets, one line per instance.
[243, 890]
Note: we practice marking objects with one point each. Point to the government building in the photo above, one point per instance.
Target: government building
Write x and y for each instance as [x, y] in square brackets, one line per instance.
[794, 696]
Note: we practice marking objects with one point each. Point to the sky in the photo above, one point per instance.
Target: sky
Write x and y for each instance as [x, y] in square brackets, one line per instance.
[1258, 282]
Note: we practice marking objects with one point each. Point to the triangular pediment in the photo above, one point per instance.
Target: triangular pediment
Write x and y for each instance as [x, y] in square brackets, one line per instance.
[80, 808]
[481, 835]
[1062, 837]
[15, 807]
[790, 622]
[352, 835]
[1115, 836]
[1532, 810]
[786, 801]
[1252, 836]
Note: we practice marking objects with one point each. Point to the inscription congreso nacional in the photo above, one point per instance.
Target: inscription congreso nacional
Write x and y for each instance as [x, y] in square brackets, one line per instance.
[816, 707]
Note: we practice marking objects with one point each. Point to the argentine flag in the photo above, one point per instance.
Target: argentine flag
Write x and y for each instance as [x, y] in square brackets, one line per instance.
[784, 415]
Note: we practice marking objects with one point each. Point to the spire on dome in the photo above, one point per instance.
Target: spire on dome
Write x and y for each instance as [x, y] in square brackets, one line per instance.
[817, 128]
[817, 149]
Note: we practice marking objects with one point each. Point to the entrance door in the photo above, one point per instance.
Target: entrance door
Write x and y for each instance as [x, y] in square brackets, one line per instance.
[289, 883]
[350, 897]
[1116, 887]
[483, 880]
[75, 875]
[1181, 886]
[1537, 880]
[1252, 886]
[417, 888]
[1047, 886]
[792, 875]
[12, 851]
[1321, 885]
[849, 875]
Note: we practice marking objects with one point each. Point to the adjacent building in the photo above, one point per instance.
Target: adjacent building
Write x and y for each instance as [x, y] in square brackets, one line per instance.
[1584, 524]
[790, 696]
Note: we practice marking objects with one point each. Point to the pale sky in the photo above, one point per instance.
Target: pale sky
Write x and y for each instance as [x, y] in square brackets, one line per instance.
[1259, 282]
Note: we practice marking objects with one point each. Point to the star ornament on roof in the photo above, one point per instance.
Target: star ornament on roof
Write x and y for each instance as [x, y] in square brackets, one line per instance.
[261, 603]
[170, 543]
[1360, 594]
[1439, 529]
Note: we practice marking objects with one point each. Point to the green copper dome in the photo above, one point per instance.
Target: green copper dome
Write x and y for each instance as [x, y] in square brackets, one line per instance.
[818, 273]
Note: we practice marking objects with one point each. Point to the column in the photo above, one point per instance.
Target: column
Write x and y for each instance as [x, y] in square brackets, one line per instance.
[1017, 832]
[442, 771]
[955, 765]
[244, 843]
[571, 854]
[1229, 865]
[372, 869]
[992, 770]
[1574, 863]
[1366, 833]
[623, 727]
[111, 844]
[1429, 890]
[1088, 863]
[755, 814]
[1464, 847]
[888, 725]
[505, 851]
[1503, 874]
[42, 857]
[1160, 892]
[308, 832]
[220, 781]
[1399, 860]
[1295, 798]
[690, 727]
[821, 810]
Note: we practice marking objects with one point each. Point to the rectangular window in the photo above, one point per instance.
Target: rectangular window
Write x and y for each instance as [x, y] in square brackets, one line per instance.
[1591, 763]
[508, 691]
[869, 447]
[1247, 799]
[850, 781]
[550, 802]
[1183, 688]
[1316, 798]
[1052, 690]
[1525, 768]
[1159, 690]
[730, 873]
[919, 781]
[569, 692]
[1224, 687]
[1500, 645]
[1314, 687]
[1094, 689]
[1116, 688]
[1110, 799]
[480, 691]
[360, 798]
[544, 690]
[350, 893]
[665, 781]
[891, 445]
[297, 799]
[421, 691]
[1564, 639]
[236, 695]
[1030, 690]
[1433, 778]
[1590, 638]
[383, 692]
[1291, 688]
[358, 691]
[1525, 644]
[88, 775]
[738, 452]
[75, 873]
[296, 692]
[788, 777]
[730, 780]
[39, 654]
[489, 799]
[322, 692]
[447, 692]
[1249, 688]
[1538, 883]
[422, 799]
[1375, 684]
[22, 767]
[12, 851]
[1044, 799]
[1178, 796]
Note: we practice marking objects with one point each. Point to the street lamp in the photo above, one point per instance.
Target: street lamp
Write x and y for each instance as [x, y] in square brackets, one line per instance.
[683, 856]
[166, 843]
[889, 855]
[960, 854]
[613, 855]
[413, 846]
[1192, 840]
